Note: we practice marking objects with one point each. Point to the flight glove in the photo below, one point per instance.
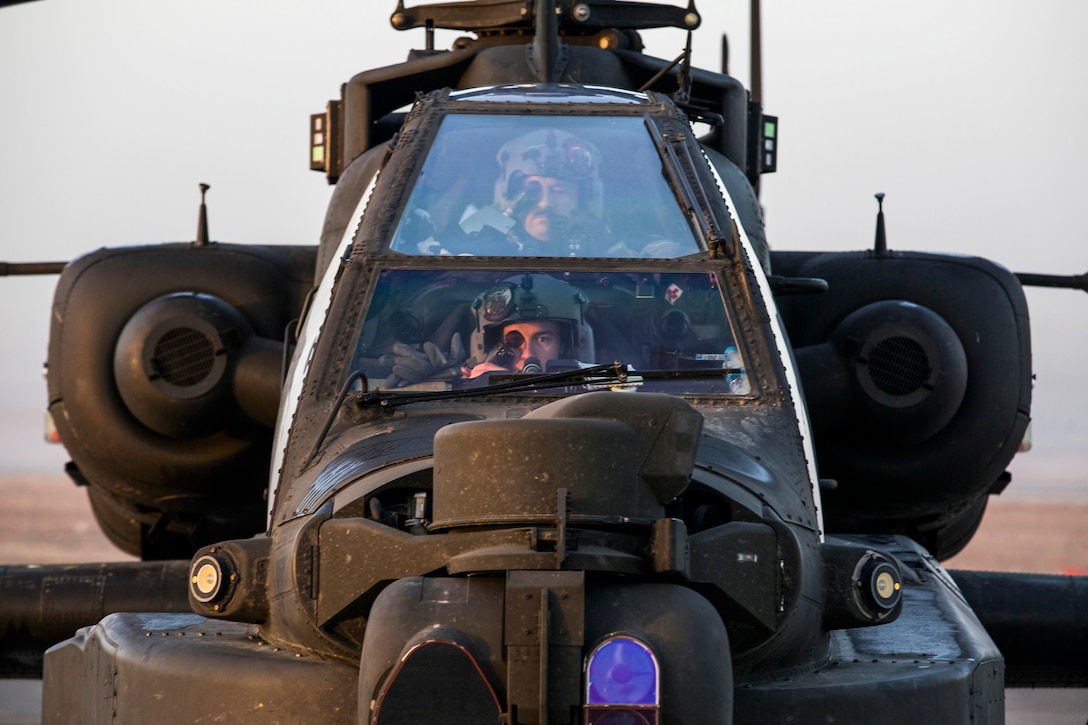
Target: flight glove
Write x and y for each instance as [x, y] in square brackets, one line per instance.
[412, 365]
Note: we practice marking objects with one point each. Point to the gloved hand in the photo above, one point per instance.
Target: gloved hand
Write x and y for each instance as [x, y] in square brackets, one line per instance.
[411, 365]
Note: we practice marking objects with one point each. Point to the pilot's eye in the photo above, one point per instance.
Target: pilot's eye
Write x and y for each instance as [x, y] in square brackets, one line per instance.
[513, 340]
[545, 339]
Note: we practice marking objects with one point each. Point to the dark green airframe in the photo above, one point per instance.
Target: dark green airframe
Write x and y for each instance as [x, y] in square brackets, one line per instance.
[542, 431]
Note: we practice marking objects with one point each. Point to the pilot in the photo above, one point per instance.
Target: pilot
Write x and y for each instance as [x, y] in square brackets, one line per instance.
[529, 324]
[546, 202]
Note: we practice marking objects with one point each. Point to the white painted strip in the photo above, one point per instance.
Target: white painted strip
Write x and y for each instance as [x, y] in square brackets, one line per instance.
[304, 351]
[803, 424]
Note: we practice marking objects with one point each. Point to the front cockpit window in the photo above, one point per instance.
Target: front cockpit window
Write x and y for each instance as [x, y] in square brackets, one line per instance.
[544, 186]
[443, 330]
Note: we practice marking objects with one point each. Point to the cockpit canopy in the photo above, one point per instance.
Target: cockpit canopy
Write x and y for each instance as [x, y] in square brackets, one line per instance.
[544, 186]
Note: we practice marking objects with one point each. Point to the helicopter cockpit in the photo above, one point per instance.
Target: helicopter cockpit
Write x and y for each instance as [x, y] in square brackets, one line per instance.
[441, 329]
[499, 184]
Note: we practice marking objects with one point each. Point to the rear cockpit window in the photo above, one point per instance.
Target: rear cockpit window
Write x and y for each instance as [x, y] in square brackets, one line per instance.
[547, 186]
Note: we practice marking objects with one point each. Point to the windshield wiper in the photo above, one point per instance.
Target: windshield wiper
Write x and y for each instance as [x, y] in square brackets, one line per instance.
[595, 376]
[685, 373]
[604, 375]
[614, 373]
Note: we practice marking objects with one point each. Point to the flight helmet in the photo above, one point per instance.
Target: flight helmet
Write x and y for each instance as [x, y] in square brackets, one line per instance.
[549, 152]
[529, 298]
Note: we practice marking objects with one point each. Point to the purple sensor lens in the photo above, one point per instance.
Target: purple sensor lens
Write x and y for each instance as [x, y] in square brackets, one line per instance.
[622, 671]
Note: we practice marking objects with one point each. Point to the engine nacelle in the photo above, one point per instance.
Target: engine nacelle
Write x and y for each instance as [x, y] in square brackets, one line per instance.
[917, 374]
[164, 372]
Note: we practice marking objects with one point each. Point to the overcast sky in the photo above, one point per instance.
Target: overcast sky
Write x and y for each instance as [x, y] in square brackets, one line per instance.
[969, 115]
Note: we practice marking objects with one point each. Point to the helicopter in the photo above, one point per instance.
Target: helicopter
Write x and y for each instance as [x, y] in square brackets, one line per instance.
[868, 542]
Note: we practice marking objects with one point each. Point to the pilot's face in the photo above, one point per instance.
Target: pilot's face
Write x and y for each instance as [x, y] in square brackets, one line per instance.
[558, 200]
[532, 339]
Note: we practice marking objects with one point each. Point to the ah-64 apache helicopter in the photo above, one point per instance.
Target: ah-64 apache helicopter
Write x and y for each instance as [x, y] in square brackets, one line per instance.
[554, 437]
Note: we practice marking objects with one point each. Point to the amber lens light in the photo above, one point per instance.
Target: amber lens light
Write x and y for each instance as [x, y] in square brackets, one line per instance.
[886, 586]
[206, 579]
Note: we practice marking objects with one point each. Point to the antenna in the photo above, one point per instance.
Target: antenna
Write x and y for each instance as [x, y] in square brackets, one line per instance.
[757, 54]
[881, 245]
[683, 92]
[202, 222]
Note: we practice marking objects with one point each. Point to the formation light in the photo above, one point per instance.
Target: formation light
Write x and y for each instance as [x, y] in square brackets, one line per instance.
[769, 145]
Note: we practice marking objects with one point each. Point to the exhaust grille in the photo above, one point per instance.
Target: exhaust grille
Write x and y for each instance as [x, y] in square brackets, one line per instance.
[183, 357]
[898, 365]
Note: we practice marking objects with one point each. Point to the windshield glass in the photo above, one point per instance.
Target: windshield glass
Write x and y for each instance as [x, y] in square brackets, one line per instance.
[439, 330]
[544, 186]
